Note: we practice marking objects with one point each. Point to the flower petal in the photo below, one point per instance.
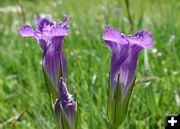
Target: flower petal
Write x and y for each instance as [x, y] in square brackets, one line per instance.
[38, 18]
[114, 35]
[70, 110]
[51, 64]
[57, 42]
[64, 24]
[63, 92]
[58, 31]
[44, 24]
[47, 30]
[26, 31]
[142, 38]
[61, 29]
[119, 54]
[42, 40]
[128, 68]
[54, 62]
[119, 48]
[67, 102]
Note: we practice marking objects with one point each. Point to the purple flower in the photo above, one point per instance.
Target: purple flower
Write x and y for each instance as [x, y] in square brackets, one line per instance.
[65, 107]
[50, 36]
[125, 50]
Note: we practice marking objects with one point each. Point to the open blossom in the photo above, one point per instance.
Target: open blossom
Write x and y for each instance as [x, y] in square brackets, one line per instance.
[125, 50]
[65, 108]
[50, 36]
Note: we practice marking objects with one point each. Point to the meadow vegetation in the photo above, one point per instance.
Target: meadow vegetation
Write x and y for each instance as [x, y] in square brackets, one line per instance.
[22, 86]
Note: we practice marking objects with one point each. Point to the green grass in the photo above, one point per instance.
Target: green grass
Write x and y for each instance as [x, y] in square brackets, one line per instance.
[22, 86]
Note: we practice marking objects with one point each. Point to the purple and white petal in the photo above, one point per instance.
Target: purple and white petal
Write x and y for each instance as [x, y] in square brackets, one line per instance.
[119, 49]
[70, 109]
[42, 41]
[67, 102]
[38, 18]
[114, 36]
[63, 92]
[61, 29]
[44, 24]
[57, 42]
[64, 24]
[58, 31]
[51, 64]
[128, 68]
[142, 38]
[118, 56]
[26, 31]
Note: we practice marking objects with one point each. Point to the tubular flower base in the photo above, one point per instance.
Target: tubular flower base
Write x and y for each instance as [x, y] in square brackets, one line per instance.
[125, 50]
[65, 108]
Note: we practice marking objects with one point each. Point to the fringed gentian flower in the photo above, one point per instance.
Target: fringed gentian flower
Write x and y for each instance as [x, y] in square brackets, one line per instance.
[65, 108]
[50, 36]
[125, 50]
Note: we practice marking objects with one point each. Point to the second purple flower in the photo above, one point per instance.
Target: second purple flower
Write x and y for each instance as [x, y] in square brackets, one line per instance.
[125, 50]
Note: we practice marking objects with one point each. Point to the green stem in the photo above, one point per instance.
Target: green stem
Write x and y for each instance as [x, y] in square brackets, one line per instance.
[129, 14]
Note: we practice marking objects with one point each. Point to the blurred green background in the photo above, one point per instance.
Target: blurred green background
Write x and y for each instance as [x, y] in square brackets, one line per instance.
[24, 101]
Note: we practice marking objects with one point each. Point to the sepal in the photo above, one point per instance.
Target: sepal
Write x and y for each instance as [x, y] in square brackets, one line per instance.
[64, 122]
[51, 90]
[118, 105]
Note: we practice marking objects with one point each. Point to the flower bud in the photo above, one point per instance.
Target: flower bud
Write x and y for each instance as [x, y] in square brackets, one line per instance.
[65, 108]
